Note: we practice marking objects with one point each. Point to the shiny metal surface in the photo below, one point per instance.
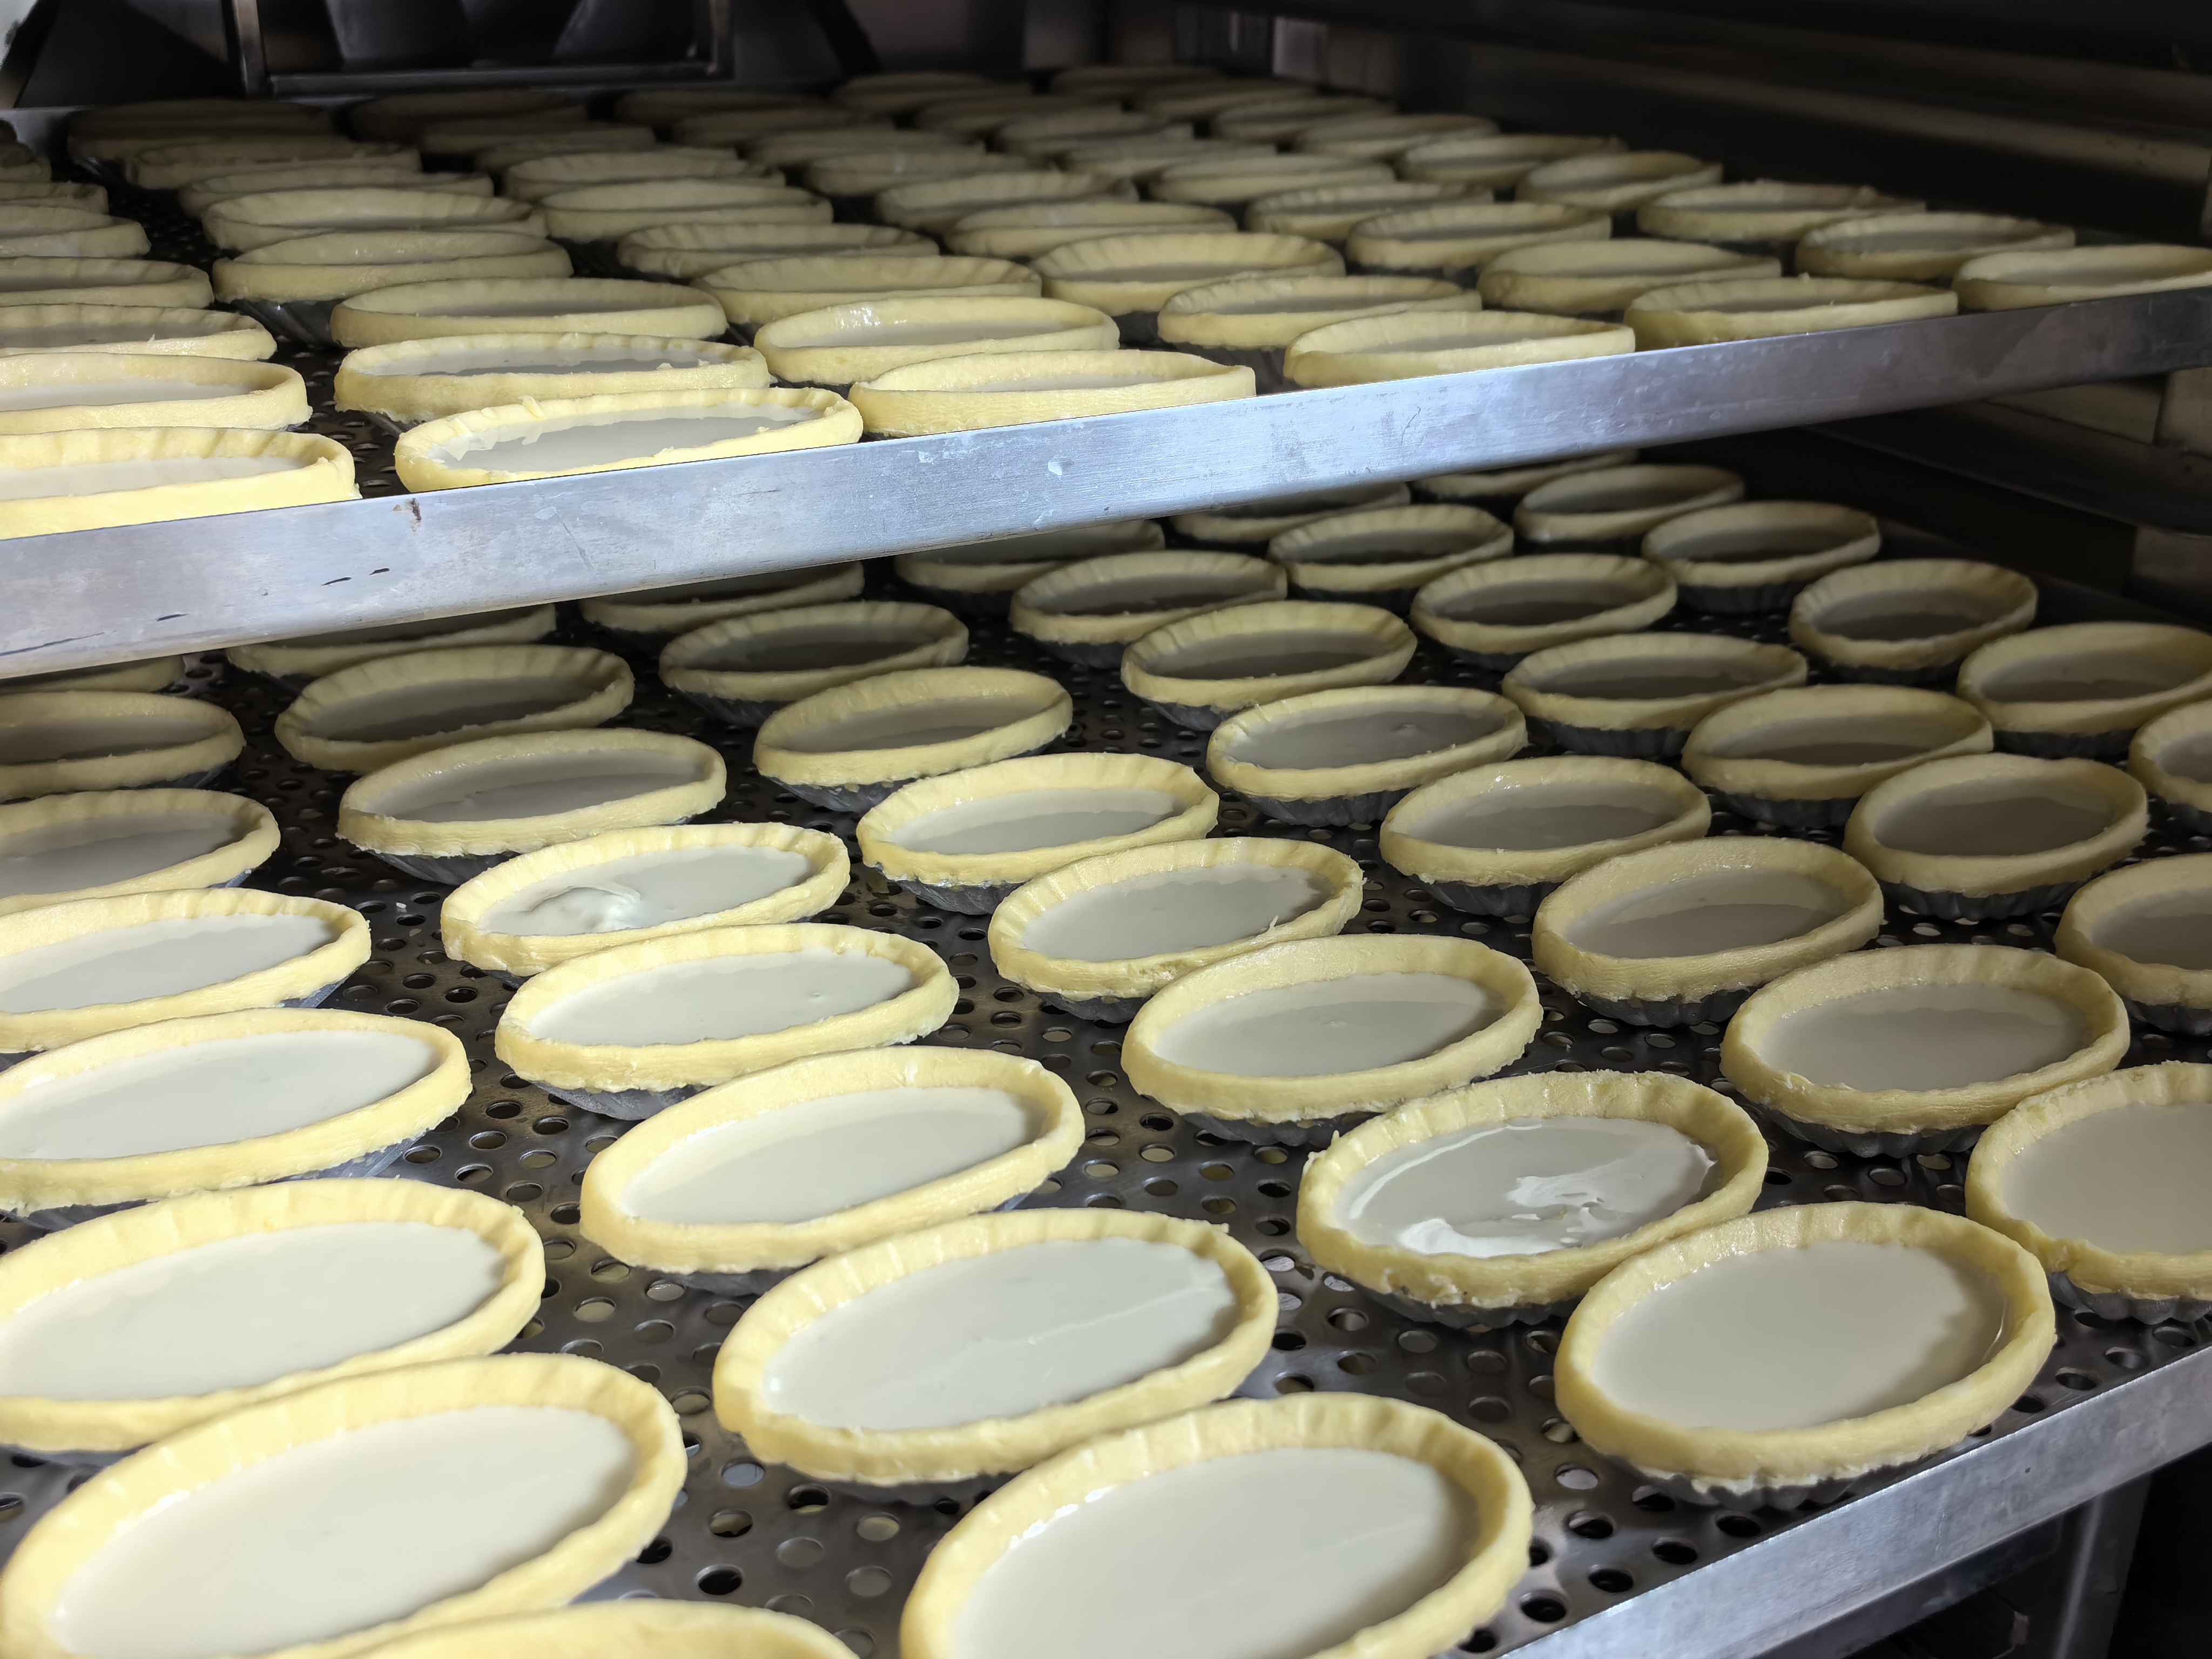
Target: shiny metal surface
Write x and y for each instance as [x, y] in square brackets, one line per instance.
[1617, 1569]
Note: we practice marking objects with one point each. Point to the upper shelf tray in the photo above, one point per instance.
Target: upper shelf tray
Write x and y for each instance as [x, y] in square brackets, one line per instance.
[96, 596]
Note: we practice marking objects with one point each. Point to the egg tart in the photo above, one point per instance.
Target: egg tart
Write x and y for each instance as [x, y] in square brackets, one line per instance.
[1097, 937]
[1385, 137]
[142, 330]
[1033, 230]
[617, 431]
[1292, 1044]
[982, 112]
[68, 391]
[59, 743]
[853, 179]
[2103, 1183]
[1454, 240]
[1698, 314]
[454, 812]
[608, 212]
[110, 842]
[2172, 757]
[1252, 320]
[90, 198]
[1282, 121]
[544, 176]
[1682, 934]
[1129, 278]
[686, 252]
[654, 614]
[537, 306]
[133, 1326]
[935, 206]
[840, 345]
[1249, 527]
[1920, 247]
[1802, 757]
[1405, 345]
[456, 1491]
[1496, 839]
[1200, 671]
[965, 839]
[146, 674]
[173, 161]
[401, 117]
[1088, 611]
[1914, 1049]
[1500, 487]
[1758, 555]
[1909, 621]
[1143, 160]
[1617, 182]
[1769, 215]
[744, 669]
[1014, 388]
[295, 662]
[422, 379]
[400, 172]
[1044, 137]
[494, 146]
[849, 747]
[76, 970]
[1790, 1355]
[1600, 280]
[758, 291]
[35, 230]
[676, 1629]
[1640, 694]
[1347, 757]
[1225, 180]
[240, 223]
[1202, 1496]
[1496, 613]
[622, 886]
[1429, 1207]
[292, 283]
[983, 577]
[1494, 160]
[2009, 281]
[2144, 930]
[154, 284]
[1328, 213]
[2083, 688]
[631, 1029]
[1385, 555]
[968, 1348]
[94, 478]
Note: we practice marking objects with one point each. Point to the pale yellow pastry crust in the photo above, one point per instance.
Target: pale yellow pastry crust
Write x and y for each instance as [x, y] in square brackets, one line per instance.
[604, 687]
[336, 265]
[2144, 1274]
[1778, 665]
[1462, 236]
[641, 615]
[1036, 229]
[402, 172]
[303, 976]
[1646, 593]
[1494, 867]
[1293, 1099]
[253, 825]
[1436, 538]
[253, 394]
[1050, 711]
[34, 230]
[109, 1243]
[92, 1517]
[878, 828]
[1495, 158]
[2188, 649]
[542, 176]
[1882, 248]
[748, 1246]
[222, 741]
[2147, 760]
[1615, 181]
[986, 580]
[31, 1184]
[1698, 314]
[1583, 973]
[240, 223]
[1215, 700]
[1599, 279]
[990, 1445]
[1233, 316]
[859, 176]
[1507, 736]
[362, 824]
[1736, 1459]
[753, 292]
[1715, 1122]
[1908, 1110]
[934, 206]
[1706, 758]
[1762, 210]
[2126, 821]
[944, 645]
[1132, 977]
[1385, 137]
[1405, 344]
[147, 674]
[378, 377]
[608, 212]
[1031, 612]
[961, 394]
[2009, 600]
[835, 346]
[597, 1630]
[2009, 281]
[1118, 275]
[915, 1011]
[465, 937]
[151, 283]
[1223, 180]
[321, 471]
[1675, 544]
[1328, 213]
[1549, 514]
[432, 309]
[302, 659]
[1355, 1421]
[169, 331]
[2146, 984]
[684, 254]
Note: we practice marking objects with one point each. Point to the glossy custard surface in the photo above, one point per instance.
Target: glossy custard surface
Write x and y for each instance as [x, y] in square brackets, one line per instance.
[646, 890]
[1037, 817]
[62, 858]
[2173, 930]
[417, 711]
[1175, 910]
[1924, 1036]
[1541, 818]
[1359, 738]
[537, 786]
[1263, 656]
[722, 997]
[154, 959]
[946, 720]
[2133, 1178]
[35, 741]
[1325, 1026]
[1726, 910]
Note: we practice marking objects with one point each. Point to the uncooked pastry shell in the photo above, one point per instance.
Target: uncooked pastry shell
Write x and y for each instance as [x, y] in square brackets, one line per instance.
[312, 974]
[1576, 509]
[2087, 726]
[1036, 229]
[914, 636]
[1386, 137]
[1097, 639]
[684, 254]
[1615, 181]
[1882, 247]
[1014, 388]
[2189, 799]
[1918, 1111]
[378, 377]
[252, 824]
[989, 584]
[606, 212]
[1354, 1421]
[2172, 999]
[1762, 210]
[321, 471]
[110, 1243]
[102, 1509]
[1362, 792]
[2007, 600]
[1700, 314]
[667, 1630]
[1404, 345]
[607, 1068]
[1437, 540]
[753, 292]
[833, 347]
[1735, 1465]
[152, 283]
[2009, 281]
[1645, 593]
[1492, 159]
[754, 1246]
[1537, 1279]
[1327, 213]
[1599, 279]
[1272, 1100]
[1232, 314]
[338, 264]
[240, 222]
[402, 172]
[218, 393]
[542, 176]
[188, 762]
[1739, 584]
[1803, 793]
[427, 309]
[295, 662]
[37, 230]
[2138, 1275]
[996, 1445]
[152, 330]
[1221, 179]
[1121, 275]
[639, 617]
[1200, 704]
[464, 938]
[935, 206]
[1458, 236]
[144, 674]
[1645, 726]
[604, 687]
